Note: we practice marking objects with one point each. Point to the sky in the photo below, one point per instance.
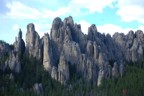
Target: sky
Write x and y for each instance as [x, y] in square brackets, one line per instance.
[109, 16]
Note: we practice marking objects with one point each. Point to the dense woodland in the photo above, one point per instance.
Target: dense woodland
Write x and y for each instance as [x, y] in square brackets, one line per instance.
[132, 83]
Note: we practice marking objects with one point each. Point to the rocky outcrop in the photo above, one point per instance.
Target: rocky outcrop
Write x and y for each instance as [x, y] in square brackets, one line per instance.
[19, 44]
[13, 61]
[4, 47]
[132, 45]
[92, 33]
[115, 70]
[54, 73]
[101, 76]
[87, 69]
[63, 70]
[38, 88]
[91, 71]
[71, 51]
[95, 52]
[47, 54]
[93, 57]
[55, 30]
[79, 37]
[121, 70]
[33, 42]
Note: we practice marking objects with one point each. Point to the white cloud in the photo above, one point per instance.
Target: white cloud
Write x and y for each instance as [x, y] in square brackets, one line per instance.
[141, 28]
[42, 28]
[19, 10]
[92, 5]
[131, 10]
[74, 7]
[84, 26]
[106, 28]
[52, 14]
[111, 29]
[15, 27]
[127, 9]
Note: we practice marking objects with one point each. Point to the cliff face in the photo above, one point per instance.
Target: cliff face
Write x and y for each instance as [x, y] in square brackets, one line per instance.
[33, 42]
[94, 56]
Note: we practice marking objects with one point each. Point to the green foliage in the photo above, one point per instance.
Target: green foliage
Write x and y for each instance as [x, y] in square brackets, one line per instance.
[132, 84]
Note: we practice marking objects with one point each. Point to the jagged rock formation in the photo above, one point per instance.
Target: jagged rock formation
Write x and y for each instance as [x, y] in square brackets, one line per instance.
[61, 73]
[87, 52]
[94, 56]
[101, 75]
[63, 70]
[115, 69]
[4, 48]
[33, 42]
[19, 45]
[132, 45]
[13, 61]
[47, 54]
[54, 73]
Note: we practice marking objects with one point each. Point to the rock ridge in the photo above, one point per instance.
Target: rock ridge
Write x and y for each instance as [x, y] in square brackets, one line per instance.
[95, 56]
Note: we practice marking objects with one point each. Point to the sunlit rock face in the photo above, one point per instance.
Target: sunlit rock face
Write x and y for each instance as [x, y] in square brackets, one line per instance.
[47, 53]
[33, 42]
[63, 70]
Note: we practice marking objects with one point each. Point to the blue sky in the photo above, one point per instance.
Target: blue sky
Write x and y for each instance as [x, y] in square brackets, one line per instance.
[109, 15]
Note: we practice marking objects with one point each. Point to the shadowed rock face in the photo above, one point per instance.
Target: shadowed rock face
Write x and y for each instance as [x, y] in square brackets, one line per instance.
[92, 32]
[132, 45]
[19, 44]
[94, 56]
